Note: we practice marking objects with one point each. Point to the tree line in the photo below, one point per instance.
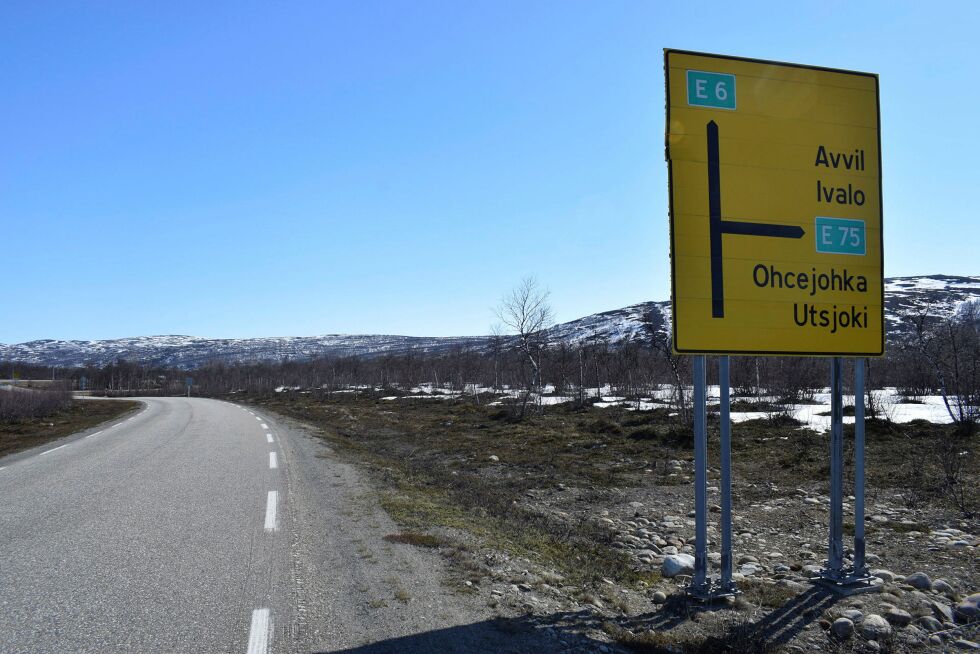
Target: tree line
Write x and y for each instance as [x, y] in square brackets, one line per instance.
[940, 357]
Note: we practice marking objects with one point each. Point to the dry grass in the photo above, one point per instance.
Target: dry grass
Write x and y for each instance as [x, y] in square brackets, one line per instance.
[82, 414]
[415, 538]
[452, 467]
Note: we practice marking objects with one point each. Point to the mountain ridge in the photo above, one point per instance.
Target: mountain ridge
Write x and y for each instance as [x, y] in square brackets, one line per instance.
[937, 295]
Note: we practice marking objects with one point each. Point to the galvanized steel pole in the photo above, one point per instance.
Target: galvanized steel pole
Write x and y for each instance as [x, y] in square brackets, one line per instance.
[726, 474]
[859, 565]
[699, 582]
[835, 550]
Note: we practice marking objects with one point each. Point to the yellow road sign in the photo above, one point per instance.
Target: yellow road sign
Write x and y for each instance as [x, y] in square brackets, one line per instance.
[775, 207]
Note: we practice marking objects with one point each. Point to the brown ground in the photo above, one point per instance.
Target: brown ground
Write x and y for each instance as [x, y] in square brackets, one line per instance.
[83, 414]
[567, 514]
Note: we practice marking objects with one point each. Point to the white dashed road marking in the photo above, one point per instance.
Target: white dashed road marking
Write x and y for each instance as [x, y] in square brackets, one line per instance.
[270, 511]
[273, 463]
[265, 426]
[258, 634]
[54, 448]
[268, 437]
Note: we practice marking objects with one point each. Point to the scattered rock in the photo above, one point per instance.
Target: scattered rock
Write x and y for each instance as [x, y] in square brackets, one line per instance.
[941, 611]
[898, 617]
[966, 612]
[494, 457]
[659, 597]
[842, 628]
[886, 576]
[677, 564]
[930, 623]
[853, 615]
[965, 644]
[919, 580]
[875, 627]
[943, 587]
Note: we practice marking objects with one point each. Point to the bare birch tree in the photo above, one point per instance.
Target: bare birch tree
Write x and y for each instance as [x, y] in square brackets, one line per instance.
[527, 312]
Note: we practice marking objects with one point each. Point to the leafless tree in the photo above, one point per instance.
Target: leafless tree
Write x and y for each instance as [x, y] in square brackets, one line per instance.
[951, 347]
[527, 312]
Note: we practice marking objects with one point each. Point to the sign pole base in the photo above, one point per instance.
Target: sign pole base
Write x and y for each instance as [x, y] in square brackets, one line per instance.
[848, 583]
[712, 590]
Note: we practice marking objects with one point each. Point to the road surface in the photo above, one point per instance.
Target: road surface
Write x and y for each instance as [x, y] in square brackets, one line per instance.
[198, 525]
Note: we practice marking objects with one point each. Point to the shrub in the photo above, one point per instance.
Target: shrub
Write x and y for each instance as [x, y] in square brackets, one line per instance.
[17, 405]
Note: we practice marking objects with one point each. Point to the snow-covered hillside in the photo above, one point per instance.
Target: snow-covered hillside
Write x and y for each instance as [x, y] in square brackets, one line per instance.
[936, 295]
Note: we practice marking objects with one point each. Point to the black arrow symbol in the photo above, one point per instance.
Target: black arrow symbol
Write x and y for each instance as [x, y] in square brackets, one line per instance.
[719, 226]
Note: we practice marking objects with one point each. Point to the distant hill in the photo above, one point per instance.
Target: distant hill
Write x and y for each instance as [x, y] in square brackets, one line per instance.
[937, 295]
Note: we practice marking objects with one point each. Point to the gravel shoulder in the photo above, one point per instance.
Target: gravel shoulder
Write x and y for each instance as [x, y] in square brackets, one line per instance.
[357, 591]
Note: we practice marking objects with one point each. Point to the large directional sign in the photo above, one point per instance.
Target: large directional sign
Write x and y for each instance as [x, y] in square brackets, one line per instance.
[775, 207]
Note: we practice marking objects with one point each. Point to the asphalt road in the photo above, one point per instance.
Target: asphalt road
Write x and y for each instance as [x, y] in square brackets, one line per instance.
[202, 526]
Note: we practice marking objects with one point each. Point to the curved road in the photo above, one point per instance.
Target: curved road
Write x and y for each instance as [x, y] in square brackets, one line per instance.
[148, 535]
[202, 526]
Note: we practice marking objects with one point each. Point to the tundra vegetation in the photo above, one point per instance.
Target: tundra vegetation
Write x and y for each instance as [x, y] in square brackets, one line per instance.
[32, 414]
[531, 497]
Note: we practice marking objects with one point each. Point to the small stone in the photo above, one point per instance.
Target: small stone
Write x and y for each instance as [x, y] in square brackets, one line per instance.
[659, 597]
[930, 623]
[677, 564]
[941, 611]
[943, 587]
[853, 615]
[886, 576]
[966, 611]
[965, 644]
[898, 617]
[494, 457]
[874, 627]
[842, 628]
[919, 580]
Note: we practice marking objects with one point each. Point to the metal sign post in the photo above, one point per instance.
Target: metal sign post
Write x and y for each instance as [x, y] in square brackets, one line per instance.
[843, 580]
[860, 568]
[727, 586]
[700, 587]
[835, 547]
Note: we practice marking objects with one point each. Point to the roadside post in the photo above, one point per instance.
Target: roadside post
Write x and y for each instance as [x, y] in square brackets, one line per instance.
[699, 583]
[860, 568]
[190, 382]
[776, 250]
[725, 586]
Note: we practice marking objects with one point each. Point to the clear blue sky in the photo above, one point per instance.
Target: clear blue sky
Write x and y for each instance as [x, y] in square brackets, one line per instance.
[256, 169]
